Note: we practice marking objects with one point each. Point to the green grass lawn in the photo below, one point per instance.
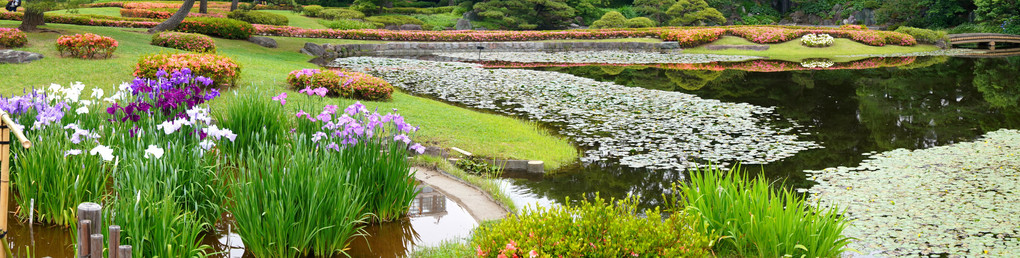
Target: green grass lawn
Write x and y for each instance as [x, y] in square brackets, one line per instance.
[794, 51]
[298, 20]
[108, 11]
[264, 70]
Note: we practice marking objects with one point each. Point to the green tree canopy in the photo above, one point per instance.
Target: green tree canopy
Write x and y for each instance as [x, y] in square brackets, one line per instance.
[997, 11]
[694, 12]
[654, 9]
[527, 14]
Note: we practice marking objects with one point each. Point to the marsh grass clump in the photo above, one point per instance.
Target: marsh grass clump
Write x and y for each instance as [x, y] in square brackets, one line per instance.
[755, 219]
[251, 113]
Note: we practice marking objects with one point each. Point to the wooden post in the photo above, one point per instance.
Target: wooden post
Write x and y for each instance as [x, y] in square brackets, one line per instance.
[93, 212]
[124, 251]
[83, 237]
[114, 239]
[96, 249]
[5, 166]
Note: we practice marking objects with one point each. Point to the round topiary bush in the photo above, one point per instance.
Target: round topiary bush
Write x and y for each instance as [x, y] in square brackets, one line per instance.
[340, 13]
[343, 84]
[184, 41]
[222, 70]
[218, 27]
[86, 45]
[12, 38]
[640, 22]
[256, 17]
[312, 10]
[817, 40]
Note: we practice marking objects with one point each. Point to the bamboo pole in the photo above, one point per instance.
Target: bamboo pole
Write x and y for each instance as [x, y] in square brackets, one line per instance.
[5, 166]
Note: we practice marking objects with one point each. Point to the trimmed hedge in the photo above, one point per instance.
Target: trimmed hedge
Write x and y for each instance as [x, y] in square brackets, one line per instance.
[312, 10]
[640, 22]
[417, 10]
[257, 17]
[222, 70]
[218, 27]
[346, 24]
[184, 41]
[342, 84]
[340, 13]
[924, 35]
[12, 38]
[395, 20]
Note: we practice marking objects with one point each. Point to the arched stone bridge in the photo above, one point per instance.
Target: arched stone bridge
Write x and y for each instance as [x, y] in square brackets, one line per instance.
[984, 38]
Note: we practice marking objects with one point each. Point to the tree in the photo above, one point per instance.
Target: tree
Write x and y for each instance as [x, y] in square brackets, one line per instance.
[203, 6]
[34, 10]
[654, 9]
[176, 19]
[694, 12]
[997, 11]
[519, 14]
[612, 19]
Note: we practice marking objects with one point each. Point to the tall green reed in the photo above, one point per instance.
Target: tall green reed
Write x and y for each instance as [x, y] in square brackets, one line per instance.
[757, 220]
[250, 113]
[295, 203]
[155, 225]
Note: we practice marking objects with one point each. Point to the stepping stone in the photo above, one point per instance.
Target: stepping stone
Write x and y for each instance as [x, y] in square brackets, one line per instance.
[8, 56]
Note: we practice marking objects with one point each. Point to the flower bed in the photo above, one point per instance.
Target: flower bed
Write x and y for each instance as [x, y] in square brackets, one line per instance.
[343, 84]
[218, 27]
[184, 41]
[817, 40]
[695, 37]
[12, 38]
[86, 45]
[221, 70]
[144, 13]
[461, 35]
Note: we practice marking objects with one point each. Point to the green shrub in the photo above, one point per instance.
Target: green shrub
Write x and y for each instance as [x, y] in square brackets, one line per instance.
[184, 41]
[610, 20]
[347, 24]
[640, 22]
[438, 21]
[312, 10]
[594, 228]
[218, 27]
[257, 17]
[924, 35]
[12, 38]
[417, 10]
[394, 20]
[757, 220]
[341, 13]
[974, 28]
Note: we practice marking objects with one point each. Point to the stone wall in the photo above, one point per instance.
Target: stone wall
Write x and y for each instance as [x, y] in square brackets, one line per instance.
[426, 48]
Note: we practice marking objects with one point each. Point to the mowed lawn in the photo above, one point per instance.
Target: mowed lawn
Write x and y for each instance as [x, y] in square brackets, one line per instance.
[264, 70]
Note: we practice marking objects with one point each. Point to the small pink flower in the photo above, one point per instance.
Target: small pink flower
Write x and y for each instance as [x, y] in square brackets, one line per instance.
[282, 98]
[533, 254]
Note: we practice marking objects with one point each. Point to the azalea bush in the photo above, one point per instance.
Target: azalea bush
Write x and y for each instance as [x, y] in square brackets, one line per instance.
[853, 27]
[86, 45]
[220, 69]
[184, 41]
[596, 228]
[343, 84]
[817, 40]
[217, 27]
[12, 37]
[144, 13]
[695, 37]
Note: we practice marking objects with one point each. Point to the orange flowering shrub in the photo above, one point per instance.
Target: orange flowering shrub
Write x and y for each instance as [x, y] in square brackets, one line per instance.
[184, 41]
[12, 37]
[86, 45]
[222, 70]
[344, 84]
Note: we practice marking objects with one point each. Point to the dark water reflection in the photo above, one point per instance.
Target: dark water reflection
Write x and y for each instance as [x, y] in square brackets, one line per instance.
[929, 102]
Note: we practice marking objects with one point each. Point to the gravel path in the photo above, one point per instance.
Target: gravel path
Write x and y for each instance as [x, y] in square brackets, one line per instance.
[961, 199]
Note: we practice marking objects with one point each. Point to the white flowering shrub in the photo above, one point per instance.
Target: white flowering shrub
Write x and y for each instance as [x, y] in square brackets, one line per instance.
[817, 40]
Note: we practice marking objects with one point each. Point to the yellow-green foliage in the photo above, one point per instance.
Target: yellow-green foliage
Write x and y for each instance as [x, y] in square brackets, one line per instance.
[640, 22]
[340, 13]
[924, 35]
[612, 19]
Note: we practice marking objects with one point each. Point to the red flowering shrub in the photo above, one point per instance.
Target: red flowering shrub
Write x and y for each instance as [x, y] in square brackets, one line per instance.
[12, 37]
[184, 41]
[86, 45]
[767, 35]
[143, 13]
[222, 70]
[342, 84]
[694, 37]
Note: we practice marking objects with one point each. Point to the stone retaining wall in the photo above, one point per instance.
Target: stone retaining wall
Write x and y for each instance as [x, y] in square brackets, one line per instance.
[426, 48]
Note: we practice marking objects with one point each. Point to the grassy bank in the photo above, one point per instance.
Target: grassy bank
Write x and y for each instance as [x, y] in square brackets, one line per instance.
[794, 51]
[265, 69]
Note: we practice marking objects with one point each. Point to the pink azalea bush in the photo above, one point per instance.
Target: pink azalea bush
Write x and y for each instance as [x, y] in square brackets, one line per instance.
[344, 84]
[222, 70]
[144, 13]
[695, 37]
[86, 45]
[184, 41]
[12, 37]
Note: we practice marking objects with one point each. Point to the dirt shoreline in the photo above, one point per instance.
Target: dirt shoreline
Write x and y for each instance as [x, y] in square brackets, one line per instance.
[478, 203]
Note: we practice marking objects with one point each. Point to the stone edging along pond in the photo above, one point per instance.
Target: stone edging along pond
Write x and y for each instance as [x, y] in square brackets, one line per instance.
[961, 199]
[640, 128]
